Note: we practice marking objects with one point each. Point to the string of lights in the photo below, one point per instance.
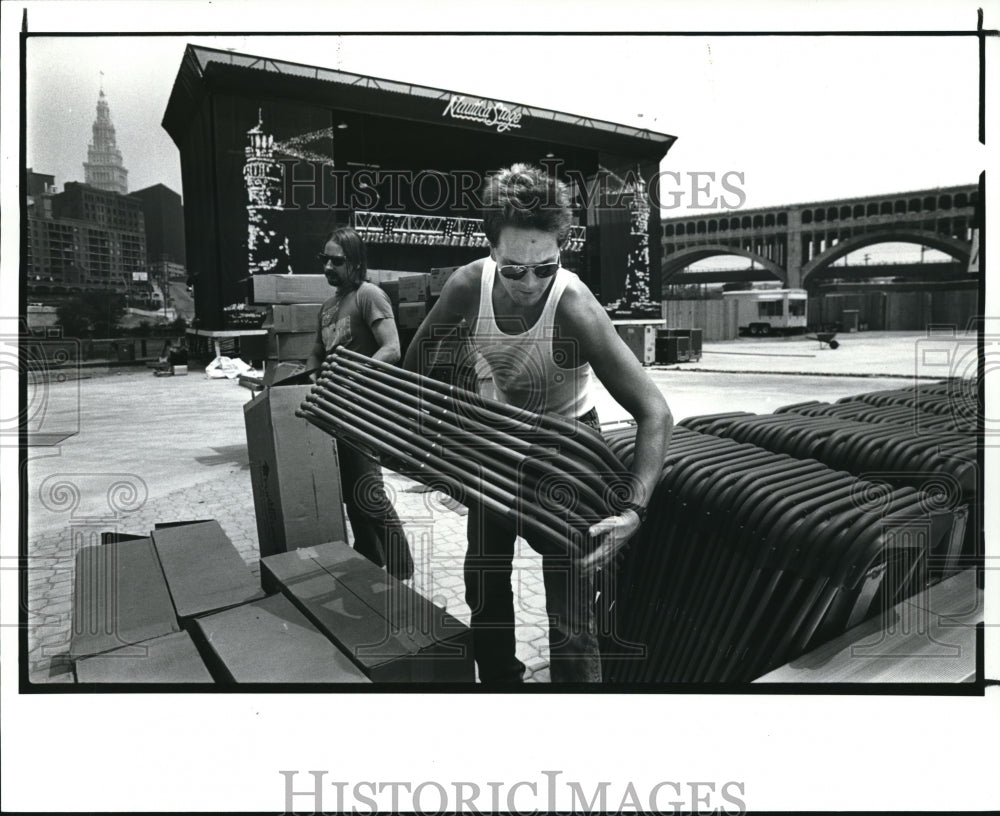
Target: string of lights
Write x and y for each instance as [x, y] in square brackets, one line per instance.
[435, 230]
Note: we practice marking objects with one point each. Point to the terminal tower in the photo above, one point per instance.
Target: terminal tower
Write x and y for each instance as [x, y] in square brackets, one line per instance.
[103, 168]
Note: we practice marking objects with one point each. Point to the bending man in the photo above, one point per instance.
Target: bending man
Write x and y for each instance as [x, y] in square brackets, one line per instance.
[542, 335]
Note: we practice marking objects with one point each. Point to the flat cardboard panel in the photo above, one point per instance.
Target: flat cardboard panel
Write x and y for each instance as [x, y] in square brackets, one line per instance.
[295, 317]
[356, 629]
[290, 288]
[119, 597]
[270, 641]
[110, 537]
[162, 525]
[167, 659]
[293, 471]
[204, 571]
[392, 632]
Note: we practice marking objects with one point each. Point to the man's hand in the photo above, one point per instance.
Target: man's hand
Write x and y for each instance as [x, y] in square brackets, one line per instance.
[608, 537]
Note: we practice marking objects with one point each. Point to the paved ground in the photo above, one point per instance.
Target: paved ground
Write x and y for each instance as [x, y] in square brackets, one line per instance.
[145, 449]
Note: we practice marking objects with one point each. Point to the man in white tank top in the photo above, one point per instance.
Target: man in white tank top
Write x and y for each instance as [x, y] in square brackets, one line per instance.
[541, 336]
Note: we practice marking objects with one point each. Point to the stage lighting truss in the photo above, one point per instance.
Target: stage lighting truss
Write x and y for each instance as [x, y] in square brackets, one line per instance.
[435, 230]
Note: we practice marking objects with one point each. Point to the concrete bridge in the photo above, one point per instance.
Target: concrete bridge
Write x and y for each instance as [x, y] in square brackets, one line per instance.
[798, 241]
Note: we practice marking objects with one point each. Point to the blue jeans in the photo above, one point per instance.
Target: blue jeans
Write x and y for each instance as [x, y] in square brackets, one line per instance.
[569, 602]
[378, 533]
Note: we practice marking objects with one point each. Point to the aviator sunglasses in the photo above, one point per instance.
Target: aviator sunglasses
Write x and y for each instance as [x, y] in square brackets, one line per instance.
[336, 260]
[518, 271]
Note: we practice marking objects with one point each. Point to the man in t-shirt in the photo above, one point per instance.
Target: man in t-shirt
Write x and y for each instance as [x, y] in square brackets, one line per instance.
[359, 317]
[541, 336]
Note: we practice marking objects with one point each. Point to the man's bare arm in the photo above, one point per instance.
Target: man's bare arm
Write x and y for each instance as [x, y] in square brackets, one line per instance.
[622, 374]
[387, 337]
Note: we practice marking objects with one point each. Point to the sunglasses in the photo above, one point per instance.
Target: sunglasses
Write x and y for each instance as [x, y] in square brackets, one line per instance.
[518, 271]
[336, 260]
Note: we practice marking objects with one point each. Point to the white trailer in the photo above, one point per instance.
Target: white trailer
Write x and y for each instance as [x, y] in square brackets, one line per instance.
[770, 311]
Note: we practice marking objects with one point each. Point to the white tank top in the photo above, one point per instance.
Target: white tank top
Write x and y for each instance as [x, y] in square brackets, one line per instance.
[520, 369]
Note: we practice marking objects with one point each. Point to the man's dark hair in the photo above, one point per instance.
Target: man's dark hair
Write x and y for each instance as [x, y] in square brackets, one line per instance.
[523, 195]
[354, 251]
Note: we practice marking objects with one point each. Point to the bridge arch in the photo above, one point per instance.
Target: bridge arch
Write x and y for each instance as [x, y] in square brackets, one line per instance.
[955, 247]
[677, 261]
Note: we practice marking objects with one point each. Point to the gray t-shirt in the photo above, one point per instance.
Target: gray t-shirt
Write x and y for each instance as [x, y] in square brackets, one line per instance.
[348, 321]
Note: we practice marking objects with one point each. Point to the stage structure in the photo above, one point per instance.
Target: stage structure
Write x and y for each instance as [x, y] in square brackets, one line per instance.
[275, 154]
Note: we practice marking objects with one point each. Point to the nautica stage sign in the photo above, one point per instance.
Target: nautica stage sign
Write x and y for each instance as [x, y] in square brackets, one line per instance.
[491, 114]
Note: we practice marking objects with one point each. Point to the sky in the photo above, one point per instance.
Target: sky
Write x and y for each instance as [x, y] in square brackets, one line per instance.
[801, 118]
[804, 118]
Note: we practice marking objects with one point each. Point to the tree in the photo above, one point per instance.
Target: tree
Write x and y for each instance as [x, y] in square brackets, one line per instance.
[91, 314]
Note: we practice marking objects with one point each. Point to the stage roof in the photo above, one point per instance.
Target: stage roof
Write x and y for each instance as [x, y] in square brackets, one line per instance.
[202, 68]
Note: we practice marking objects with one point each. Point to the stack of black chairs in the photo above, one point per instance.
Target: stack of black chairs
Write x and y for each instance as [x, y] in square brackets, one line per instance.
[950, 405]
[766, 535]
[942, 466]
[878, 414]
[904, 437]
[956, 398]
[749, 558]
[550, 477]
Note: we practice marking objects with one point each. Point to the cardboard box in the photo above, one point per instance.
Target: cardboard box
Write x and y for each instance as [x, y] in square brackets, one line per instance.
[411, 315]
[204, 571]
[391, 632]
[439, 277]
[120, 597]
[167, 659]
[413, 289]
[290, 345]
[294, 317]
[289, 288]
[270, 641]
[294, 473]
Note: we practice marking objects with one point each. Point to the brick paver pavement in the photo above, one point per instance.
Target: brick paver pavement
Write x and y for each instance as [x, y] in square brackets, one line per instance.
[219, 487]
[142, 450]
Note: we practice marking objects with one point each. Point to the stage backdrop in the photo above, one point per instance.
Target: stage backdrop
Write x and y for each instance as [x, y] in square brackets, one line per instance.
[274, 155]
